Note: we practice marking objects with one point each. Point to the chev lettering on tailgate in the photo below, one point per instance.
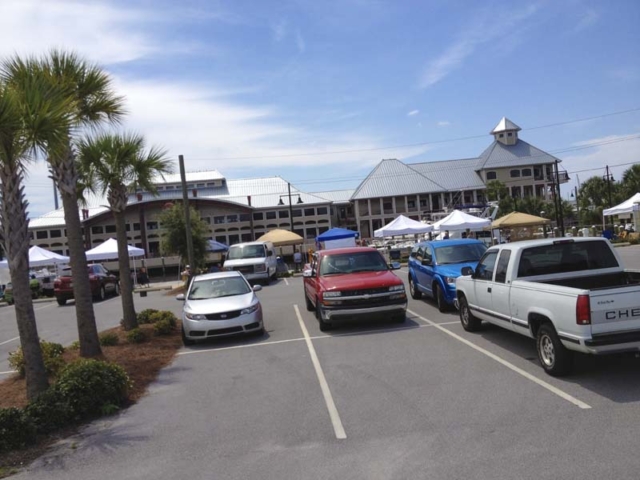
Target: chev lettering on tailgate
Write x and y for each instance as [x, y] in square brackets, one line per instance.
[622, 313]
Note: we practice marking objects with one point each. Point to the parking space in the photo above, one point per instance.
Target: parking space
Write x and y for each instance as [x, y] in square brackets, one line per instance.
[423, 399]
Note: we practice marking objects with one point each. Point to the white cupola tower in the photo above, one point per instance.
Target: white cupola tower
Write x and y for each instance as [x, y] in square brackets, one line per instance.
[506, 132]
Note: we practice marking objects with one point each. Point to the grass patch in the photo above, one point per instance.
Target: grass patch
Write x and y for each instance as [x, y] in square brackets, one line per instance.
[142, 362]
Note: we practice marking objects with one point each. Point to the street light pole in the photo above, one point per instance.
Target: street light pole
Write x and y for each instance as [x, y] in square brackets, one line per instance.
[609, 178]
[290, 206]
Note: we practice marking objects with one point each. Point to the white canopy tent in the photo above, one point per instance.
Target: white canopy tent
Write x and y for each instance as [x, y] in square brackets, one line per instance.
[39, 257]
[624, 207]
[108, 250]
[458, 220]
[402, 226]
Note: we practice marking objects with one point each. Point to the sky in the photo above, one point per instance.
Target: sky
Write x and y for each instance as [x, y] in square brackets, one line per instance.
[320, 92]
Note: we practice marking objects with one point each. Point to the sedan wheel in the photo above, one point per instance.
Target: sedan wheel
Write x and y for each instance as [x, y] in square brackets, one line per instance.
[415, 293]
[102, 294]
[443, 306]
[554, 357]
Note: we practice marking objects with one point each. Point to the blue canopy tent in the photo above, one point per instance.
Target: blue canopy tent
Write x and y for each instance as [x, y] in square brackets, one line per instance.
[216, 246]
[337, 238]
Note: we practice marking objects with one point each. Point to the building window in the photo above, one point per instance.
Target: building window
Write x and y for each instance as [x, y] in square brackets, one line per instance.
[297, 213]
[514, 173]
[258, 216]
[271, 215]
[245, 217]
[96, 230]
[232, 218]
[152, 225]
[322, 210]
[423, 203]
[246, 237]
[310, 233]
[510, 134]
[309, 212]
[526, 172]
[219, 220]
[55, 234]
[501, 135]
[110, 229]
[127, 227]
[411, 204]
[221, 239]
[233, 239]
[199, 185]
[321, 230]
[492, 175]
[283, 214]
[41, 234]
[136, 227]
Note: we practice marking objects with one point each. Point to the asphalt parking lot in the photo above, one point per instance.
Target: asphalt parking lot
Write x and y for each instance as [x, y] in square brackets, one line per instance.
[419, 400]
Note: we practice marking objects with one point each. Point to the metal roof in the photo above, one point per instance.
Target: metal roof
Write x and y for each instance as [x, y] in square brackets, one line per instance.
[392, 177]
[505, 125]
[199, 176]
[521, 154]
[336, 196]
[454, 175]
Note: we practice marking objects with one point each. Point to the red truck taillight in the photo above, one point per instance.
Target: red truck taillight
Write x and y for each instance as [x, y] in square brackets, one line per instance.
[583, 310]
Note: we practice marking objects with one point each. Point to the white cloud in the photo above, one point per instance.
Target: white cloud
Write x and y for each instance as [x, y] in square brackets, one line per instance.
[279, 30]
[300, 43]
[444, 123]
[588, 18]
[488, 27]
[613, 150]
[413, 113]
[98, 30]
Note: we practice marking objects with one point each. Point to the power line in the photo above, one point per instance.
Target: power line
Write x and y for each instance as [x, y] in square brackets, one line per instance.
[419, 144]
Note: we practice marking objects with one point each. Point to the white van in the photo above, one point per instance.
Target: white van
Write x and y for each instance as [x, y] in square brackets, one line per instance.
[255, 260]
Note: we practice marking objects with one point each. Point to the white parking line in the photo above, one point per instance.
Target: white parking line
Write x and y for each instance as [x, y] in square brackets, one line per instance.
[324, 386]
[8, 373]
[10, 340]
[527, 375]
[235, 347]
[51, 304]
[286, 281]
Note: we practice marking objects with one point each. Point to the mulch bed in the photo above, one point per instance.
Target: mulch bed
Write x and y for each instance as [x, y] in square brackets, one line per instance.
[142, 361]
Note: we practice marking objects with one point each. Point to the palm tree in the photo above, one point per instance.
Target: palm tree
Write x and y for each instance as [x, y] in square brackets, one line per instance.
[31, 119]
[631, 180]
[111, 165]
[92, 104]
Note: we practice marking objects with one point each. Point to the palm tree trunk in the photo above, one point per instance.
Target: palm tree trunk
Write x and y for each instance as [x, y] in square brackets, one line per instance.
[130, 320]
[64, 173]
[15, 237]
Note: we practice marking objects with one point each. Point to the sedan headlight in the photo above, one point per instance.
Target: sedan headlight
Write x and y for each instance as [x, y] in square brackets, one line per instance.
[450, 280]
[250, 309]
[195, 316]
[396, 288]
[331, 294]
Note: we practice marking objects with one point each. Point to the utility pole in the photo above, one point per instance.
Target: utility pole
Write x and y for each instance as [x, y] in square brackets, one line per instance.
[559, 212]
[290, 206]
[577, 205]
[609, 178]
[55, 195]
[187, 216]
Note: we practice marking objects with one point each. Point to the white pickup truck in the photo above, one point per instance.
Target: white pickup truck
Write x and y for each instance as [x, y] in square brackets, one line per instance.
[571, 295]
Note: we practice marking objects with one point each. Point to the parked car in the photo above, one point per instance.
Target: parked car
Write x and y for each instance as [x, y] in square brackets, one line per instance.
[353, 283]
[570, 295]
[255, 260]
[435, 265]
[102, 284]
[45, 279]
[220, 304]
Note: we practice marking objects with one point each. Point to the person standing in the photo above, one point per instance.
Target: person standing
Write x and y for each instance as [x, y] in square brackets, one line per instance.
[446, 235]
[297, 259]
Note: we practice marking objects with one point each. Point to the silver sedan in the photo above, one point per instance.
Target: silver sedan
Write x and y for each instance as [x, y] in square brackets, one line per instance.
[220, 304]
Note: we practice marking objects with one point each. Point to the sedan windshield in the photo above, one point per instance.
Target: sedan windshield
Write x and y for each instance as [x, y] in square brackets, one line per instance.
[218, 287]
[246, 251]
[352, 263]
[459, 253]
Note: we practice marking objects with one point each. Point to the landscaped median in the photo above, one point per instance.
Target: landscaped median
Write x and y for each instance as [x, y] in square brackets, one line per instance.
[81, 389]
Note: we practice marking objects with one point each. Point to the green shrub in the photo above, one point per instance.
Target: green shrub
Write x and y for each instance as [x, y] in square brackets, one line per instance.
[108, 339]
[163, 327]
[75, 345]
[135, 336]
[50, 411]
[51, 355]
[145, 316]
[165, 315]
[16, 429]
[87, 386]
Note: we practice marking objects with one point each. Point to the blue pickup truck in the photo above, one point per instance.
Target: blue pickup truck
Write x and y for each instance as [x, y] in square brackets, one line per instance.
[434, 267]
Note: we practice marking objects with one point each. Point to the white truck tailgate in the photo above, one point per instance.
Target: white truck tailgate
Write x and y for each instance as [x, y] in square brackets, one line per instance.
[615, 310]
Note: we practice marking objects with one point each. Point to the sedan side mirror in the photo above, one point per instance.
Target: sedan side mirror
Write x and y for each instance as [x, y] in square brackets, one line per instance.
[257, 288]
[426, 262]
[180, 297]
[466, 271]
[307, 273]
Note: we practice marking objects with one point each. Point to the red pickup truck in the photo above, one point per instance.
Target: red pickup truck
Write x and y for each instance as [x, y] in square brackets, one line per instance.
[102, 284]
[353, 283]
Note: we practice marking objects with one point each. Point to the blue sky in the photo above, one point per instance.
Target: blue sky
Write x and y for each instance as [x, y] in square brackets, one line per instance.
[251, 88]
